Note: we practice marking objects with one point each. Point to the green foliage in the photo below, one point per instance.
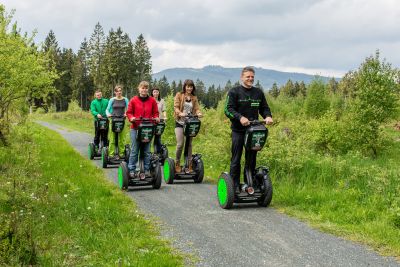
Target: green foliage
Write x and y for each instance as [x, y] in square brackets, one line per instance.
[23, 73]
[375, 99]
[316, 102]
[58, 209]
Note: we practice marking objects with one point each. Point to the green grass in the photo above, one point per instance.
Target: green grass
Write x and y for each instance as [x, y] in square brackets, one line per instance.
[63, 211]
[352, 196]
[76, 120]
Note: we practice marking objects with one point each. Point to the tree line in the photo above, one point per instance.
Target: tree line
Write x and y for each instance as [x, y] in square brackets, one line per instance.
[100, 63]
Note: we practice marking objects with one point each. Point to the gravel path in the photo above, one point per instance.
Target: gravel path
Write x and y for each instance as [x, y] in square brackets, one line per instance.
[243, 236]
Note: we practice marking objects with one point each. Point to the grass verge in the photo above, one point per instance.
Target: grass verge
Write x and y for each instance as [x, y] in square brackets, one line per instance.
[58, 209]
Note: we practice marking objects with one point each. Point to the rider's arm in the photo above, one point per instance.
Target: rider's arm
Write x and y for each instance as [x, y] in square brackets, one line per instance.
[93, 109]
[154, 107]
[130, 110]
[264, 109]
[177, 104]
[231, 106]
[109, 107]
[196, 106]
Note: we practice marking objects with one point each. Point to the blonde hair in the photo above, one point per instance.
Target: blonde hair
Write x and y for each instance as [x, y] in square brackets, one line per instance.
[144, 84]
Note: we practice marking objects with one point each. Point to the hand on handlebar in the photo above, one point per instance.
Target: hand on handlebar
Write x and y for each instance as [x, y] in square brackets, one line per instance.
[268, 120]
[99, 116]
[133, 119]
[244, 121]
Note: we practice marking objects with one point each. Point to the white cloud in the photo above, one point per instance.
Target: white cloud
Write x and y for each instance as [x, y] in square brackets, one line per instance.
[324, 36]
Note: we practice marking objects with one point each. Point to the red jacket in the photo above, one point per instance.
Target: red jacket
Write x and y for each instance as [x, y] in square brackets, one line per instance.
[138, 108]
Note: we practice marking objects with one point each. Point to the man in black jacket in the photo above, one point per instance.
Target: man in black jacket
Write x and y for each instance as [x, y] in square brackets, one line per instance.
[243, 104]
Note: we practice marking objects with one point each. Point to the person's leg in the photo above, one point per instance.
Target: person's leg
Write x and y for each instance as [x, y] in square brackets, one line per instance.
[133, 157]
[105, 136]
[237, 150]
[147, 156]
[179, 147]
[190, 154]
[96, 139]
[123, 136]
[111, 147]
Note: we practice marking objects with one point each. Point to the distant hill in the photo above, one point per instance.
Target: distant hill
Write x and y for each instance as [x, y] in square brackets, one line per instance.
[218, 75]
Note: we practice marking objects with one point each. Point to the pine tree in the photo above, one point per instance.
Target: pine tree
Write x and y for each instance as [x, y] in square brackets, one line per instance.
[142, 57]
[96, 52]
[274, 92]
[52, 51]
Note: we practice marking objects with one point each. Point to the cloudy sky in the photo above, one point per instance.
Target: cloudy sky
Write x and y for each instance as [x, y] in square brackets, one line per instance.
[327, 37]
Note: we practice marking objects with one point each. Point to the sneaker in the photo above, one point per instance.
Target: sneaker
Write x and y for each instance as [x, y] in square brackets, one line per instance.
[132, 173]
[147, 173]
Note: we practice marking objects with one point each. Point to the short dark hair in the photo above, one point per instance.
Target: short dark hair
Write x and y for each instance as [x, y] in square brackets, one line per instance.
[248, 68]
[188, 82]
[118, 87]
[156, 89]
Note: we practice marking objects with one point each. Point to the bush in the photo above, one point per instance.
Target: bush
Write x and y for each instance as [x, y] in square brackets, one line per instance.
[316, 103]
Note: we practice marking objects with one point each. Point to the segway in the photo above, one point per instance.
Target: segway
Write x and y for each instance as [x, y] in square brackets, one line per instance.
[117, 125]
[191, 128]
[144, 135]
[159, 130]
[101, 127]
[258, 185]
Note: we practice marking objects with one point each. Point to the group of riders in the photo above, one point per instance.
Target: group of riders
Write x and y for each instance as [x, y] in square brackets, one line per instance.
[244, 104]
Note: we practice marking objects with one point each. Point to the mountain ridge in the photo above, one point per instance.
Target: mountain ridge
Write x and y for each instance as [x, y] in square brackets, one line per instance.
[218, 75]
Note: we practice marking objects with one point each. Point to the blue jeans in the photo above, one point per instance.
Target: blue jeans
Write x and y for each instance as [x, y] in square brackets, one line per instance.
[133, 157]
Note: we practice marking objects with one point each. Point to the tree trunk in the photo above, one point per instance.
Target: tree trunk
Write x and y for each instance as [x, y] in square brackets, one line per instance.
[3, 140]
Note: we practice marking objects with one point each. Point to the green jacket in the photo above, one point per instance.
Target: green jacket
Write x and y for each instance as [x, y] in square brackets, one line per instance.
[99, 106]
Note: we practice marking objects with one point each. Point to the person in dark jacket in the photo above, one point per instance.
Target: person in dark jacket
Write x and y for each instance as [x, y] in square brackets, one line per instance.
[244, 103]
[139, 106]
[98, 109]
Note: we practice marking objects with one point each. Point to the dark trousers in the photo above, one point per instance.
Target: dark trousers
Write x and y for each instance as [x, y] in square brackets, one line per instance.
[157, 144]
[237, 150]
[98, 133]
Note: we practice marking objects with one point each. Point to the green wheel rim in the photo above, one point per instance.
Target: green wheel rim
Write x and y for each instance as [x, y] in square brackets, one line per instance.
[222, 191]
[120, 177]
[89, 152]
[166, 171]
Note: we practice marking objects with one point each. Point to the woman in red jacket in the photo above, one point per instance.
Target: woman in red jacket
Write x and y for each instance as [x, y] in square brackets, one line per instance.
[139, 106]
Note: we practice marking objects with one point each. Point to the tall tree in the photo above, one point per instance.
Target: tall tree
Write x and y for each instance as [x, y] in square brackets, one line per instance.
[96, 52]
[24, 73]
[53, 52]
[274, 92]
[142, 57]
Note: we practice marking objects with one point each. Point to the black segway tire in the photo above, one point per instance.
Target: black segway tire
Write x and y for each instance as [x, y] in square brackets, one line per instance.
[123, 176]
[225, 191]
[157, 176]
[169, 171]
[199, 168]
[266, 197]
[104, 157]
[91, 151]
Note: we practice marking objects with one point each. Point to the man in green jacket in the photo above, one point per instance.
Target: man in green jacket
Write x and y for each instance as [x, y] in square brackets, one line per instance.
[98, 109]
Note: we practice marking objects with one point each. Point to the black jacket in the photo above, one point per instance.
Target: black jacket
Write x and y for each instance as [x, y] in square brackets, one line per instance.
[245, 102]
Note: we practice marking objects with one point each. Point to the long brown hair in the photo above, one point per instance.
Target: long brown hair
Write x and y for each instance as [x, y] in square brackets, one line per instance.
[188, 82]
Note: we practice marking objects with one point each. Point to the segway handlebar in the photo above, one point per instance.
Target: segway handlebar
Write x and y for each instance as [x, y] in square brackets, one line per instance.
[144, 119]
[256, 122]
[189, 116]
